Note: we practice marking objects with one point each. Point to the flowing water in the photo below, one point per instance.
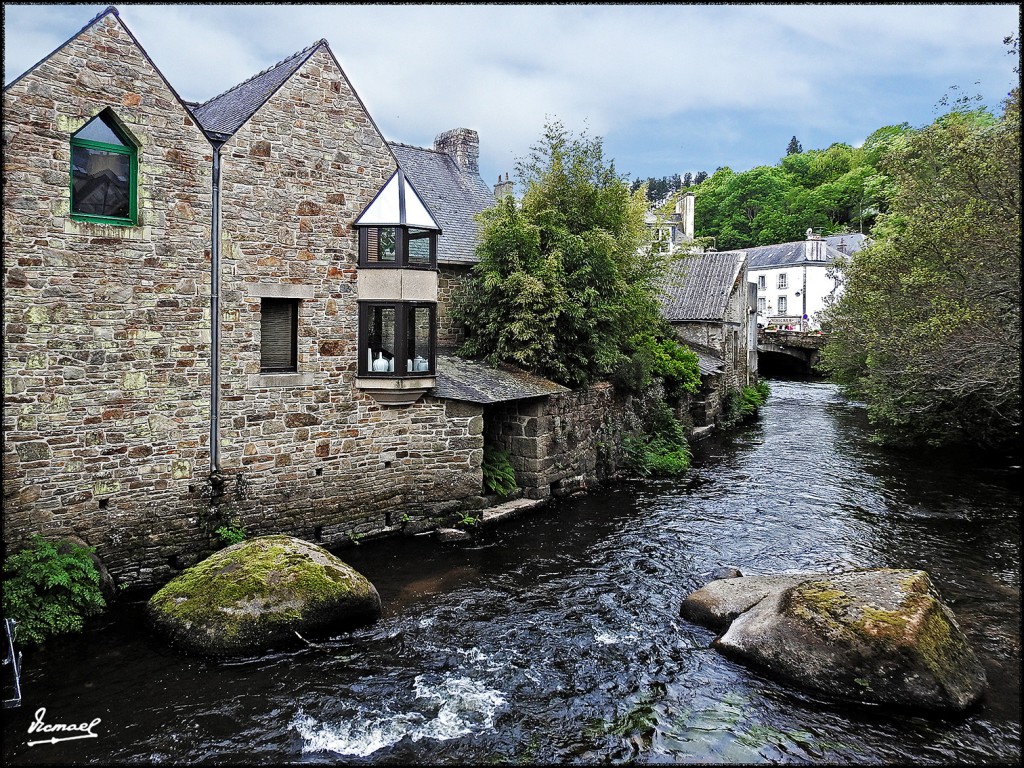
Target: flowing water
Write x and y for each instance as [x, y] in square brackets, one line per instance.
[556, 638]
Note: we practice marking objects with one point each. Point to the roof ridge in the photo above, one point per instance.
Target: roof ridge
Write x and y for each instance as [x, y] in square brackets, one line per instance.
[415, 146]
[308, 49]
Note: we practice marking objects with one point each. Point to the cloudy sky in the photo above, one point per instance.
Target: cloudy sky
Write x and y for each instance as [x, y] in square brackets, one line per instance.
[670, 88]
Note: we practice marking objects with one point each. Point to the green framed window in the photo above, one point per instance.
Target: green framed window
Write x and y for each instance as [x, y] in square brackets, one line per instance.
[104, 171]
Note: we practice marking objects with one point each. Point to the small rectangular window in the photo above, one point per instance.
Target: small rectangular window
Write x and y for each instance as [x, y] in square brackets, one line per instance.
[762, 282]
[782, 305]
[279, 330]
[381, 244]
[761, 303]
[782, 280]
[420, 243]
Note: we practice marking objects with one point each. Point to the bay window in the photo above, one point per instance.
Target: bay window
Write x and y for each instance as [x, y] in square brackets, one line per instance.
[396, 338]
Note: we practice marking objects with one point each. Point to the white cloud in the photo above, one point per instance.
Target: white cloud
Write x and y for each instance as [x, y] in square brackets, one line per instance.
[826, 70]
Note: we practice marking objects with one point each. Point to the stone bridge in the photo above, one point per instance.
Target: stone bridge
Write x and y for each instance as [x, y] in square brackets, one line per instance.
[789, 351]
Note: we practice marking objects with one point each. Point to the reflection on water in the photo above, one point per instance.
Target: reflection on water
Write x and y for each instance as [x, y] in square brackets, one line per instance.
[556, 638]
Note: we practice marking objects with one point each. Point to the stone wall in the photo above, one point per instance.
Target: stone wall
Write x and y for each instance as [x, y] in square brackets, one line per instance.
[450, 278]
[561, 443]
[106, 328]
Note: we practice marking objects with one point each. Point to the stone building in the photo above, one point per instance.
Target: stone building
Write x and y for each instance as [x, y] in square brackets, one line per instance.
[711, 305]
[233, 312]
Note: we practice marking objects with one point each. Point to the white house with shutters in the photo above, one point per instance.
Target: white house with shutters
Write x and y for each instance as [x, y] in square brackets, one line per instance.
[795, 281]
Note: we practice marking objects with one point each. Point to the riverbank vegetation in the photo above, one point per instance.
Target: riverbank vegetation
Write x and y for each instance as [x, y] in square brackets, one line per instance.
[743, 403]
[927, 331]
[567, 283]
[50, 589]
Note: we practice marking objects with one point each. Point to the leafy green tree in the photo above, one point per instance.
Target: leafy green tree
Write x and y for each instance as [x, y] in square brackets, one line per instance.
[687, 179]
[701, 175]
[566, 277]
[794, 147]
[927, 331]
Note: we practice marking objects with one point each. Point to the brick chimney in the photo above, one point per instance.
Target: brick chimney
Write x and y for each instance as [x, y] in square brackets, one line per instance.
[503, 188]
[463, 144]
[814, 246]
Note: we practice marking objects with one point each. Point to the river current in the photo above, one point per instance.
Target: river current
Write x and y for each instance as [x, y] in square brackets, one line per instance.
[556, 638]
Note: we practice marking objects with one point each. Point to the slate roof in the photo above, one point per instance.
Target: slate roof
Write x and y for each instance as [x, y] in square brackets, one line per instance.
[853, 241]
[224, 114]
[476, 382]
[784, 255]
[709, 365]
[698, 286]
[453, 196]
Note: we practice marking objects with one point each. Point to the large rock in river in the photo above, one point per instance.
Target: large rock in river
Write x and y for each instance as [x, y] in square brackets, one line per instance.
[876, 636]
[257, 594]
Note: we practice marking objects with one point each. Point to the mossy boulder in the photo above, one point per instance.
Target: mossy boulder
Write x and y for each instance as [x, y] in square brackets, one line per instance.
[257, 594]
[877, 636]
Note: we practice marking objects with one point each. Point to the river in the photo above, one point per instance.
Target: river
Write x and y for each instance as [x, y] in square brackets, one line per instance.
[556, 638]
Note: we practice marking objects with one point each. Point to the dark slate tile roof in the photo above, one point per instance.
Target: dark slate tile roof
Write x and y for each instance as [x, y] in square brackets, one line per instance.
[222, 115]
[477, 382]
[853, 241]
[783, 255]
[709, 365]
[452, 195]
[698, 286]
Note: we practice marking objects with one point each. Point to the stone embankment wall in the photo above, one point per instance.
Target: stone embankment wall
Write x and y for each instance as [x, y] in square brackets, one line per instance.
[561, 443]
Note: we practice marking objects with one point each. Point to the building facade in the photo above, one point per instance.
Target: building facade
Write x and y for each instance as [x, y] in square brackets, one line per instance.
[236, 312]
[709, 301]
[795, 281]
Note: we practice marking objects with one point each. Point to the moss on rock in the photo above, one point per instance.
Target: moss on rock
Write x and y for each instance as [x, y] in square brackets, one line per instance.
[880, 636]
[257, 594]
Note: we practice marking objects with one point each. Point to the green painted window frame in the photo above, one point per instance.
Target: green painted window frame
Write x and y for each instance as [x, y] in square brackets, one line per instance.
[133, 172]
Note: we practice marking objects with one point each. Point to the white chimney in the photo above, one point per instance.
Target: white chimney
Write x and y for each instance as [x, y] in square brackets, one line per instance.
[814, 246]
[684, 207]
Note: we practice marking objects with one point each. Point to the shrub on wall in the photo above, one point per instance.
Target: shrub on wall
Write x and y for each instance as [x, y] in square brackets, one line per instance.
[743, 403]
[659, 448]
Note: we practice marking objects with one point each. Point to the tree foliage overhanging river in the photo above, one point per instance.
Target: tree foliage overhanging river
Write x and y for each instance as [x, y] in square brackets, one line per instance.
[556, 637]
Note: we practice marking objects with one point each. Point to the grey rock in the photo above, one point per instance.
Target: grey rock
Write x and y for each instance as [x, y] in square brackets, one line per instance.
[874, 636]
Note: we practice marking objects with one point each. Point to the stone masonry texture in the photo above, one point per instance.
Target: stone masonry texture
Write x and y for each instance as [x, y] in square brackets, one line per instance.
[106, 329]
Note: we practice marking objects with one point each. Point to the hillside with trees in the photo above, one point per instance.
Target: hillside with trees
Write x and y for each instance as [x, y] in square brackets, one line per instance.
[838, 189]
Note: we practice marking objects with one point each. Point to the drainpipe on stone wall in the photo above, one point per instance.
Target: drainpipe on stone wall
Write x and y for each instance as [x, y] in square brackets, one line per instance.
[216, 478]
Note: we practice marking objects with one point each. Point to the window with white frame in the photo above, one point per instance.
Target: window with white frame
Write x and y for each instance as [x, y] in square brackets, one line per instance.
[782, 280]
[761, 306]
[782, 305]
[762, 282]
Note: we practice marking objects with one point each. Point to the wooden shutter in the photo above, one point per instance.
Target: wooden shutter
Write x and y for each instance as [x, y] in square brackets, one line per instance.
[278, 330]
